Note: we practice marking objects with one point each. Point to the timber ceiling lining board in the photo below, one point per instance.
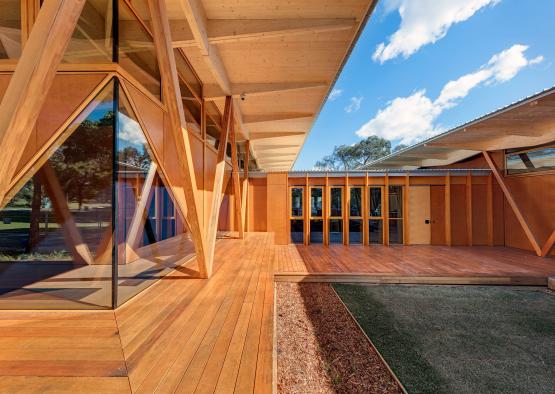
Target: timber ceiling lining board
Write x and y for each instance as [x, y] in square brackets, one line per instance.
[284, 55]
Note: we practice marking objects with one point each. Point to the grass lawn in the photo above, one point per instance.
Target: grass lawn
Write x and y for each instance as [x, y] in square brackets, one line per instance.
[460, 339]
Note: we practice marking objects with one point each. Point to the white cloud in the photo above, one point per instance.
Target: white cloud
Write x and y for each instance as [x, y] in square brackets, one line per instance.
[354, 106]
[335, 93]
[130, 131]
[413, 118]
[424, 22]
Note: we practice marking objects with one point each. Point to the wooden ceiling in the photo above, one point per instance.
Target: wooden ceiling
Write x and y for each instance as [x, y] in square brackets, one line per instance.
[528, 122]
[278, 59]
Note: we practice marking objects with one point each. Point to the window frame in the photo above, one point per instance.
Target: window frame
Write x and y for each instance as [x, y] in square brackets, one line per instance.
[535, 172]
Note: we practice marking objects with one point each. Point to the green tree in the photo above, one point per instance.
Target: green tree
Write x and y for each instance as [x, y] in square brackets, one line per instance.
[346, 157]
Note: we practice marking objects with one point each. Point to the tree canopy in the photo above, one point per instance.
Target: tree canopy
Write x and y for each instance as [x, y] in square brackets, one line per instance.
[350, 157]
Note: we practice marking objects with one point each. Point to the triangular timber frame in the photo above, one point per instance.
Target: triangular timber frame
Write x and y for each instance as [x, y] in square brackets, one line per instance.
[172, 99]
[32, 79]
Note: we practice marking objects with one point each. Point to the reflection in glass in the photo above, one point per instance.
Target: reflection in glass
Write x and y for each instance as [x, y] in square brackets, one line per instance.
[187, 74]
[191, 106]
[56, 227]
[395, 231]
[92, 40]
[316, 202]
[355, 231]
[151, 235]
[316, 231]
[336, 202]
[296, 202]
[355, 204]
[375, 202]
[297, 231]
[542, 159]
[395, 201]
[375, 231]
[336, 231]
[10, 29]
[137, 54]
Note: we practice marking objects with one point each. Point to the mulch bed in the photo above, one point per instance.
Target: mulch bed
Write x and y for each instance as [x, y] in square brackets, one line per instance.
[319, 347]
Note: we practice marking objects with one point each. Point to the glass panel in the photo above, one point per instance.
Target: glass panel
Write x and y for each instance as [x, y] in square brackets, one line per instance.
[395, 201]
[531, 161]
[296, 201]
[395, 231]
[136, 50]
[375, 202]
[336, 202]
[187, 74]
[151, 235]
[55, 230]
[297, 231]
[91, 41]
[316, 202]
[336, 231]
[355, 202]
[316, 231]
[355, 231]
[10, 29]
[376, 231]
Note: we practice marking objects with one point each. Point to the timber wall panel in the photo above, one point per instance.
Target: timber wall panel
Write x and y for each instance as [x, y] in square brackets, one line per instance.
[458, 215]
[479, 218]
[437, 213]
[258, 205]
[276, 207]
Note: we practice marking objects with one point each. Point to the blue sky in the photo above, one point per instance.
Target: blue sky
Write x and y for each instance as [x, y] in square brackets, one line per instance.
[472, 57]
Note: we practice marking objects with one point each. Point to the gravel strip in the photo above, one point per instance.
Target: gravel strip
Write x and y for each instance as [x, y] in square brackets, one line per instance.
[319, 347]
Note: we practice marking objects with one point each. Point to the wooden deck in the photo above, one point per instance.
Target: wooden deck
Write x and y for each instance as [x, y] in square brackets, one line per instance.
[181, 335]
[185, 334]
[413, 264]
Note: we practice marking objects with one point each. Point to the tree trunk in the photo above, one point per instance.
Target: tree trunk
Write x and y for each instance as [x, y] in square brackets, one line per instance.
[34, 221]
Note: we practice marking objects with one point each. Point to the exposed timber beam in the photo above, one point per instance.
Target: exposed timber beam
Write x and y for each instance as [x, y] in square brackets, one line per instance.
[217, 192]
[245, 187]
[244, 90]
[275, 134]
[221, 31]
[276, 146]
[196, 16]
[32, 79]
[189, 206]
[248, 119]
[513, 204]
[236, 184]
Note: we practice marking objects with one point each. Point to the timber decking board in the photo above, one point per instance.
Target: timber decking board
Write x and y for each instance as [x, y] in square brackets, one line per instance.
[183, 334]
[190, 335]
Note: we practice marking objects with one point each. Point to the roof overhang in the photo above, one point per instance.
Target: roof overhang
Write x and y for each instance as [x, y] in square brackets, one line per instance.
[528, 122]
[277, 59]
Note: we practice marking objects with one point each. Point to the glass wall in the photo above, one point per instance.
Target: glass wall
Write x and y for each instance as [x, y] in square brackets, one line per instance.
[92, 40]
[151, 235]
[395, 214]
[296, 215]
[316, 209]
[336, 215]
[522, 161]
[375, 221]
[56, 226]
[213, 124]
[10, 29]
[190, 88]
[355, 215]
[137, 54]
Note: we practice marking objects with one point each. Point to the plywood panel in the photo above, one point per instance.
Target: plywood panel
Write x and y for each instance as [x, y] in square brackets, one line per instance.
[257, 205]
[437, 211]
[419, 213]
[276, 207]
[458, 215]
[479, 218]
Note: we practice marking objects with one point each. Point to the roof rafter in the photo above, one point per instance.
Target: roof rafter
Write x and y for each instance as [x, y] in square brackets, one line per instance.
[276, 116]
[221, 31]
[212, 92]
